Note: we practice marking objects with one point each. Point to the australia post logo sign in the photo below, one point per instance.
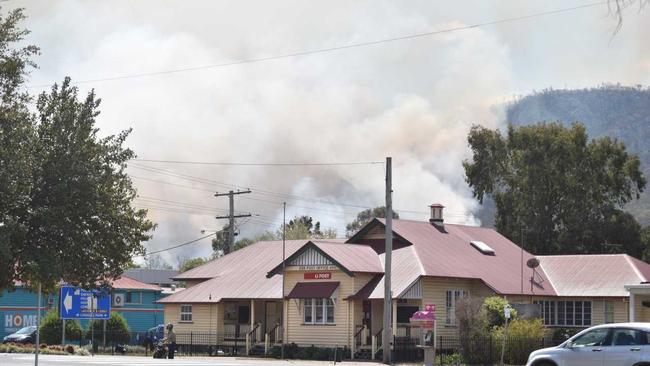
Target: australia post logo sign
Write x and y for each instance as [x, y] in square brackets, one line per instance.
[318, 275]
[13, 322]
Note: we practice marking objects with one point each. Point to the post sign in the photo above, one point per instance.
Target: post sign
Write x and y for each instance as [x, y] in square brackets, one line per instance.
[83, 304]
[506, 312]
[430, 307]
[318, 275]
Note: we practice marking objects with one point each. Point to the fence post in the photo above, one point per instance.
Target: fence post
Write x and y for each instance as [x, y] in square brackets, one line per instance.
[191, 342]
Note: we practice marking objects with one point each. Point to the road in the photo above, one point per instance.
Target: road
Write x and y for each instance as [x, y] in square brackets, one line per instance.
[14, 359]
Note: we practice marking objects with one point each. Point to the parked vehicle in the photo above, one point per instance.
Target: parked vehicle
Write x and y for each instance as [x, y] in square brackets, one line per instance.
[24, 335]
[160, 350]
[624, 344]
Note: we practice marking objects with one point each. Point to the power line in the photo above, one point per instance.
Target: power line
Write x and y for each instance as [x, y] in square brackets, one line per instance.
[258, 164]
[179, 245]
[272, 194]
[331, 49]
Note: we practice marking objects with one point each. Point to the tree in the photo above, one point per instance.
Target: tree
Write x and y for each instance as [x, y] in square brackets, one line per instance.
[16, 140]
[79, 207]
[52, 326]
[303, 227]
[494, 310]
[560, 190]
[117, 330]
[220, 241]
[156, 261]
[192, 263]
[364, 217]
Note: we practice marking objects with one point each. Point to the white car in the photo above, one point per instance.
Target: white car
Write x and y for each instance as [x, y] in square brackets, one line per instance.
[623, 344]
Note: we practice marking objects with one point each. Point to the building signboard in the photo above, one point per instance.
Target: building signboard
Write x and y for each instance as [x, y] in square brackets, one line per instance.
[318, 275]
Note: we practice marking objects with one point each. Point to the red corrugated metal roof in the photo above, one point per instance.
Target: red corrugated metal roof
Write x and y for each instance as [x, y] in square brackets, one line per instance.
[126, 283]
[238, 275]
[594, 275]
[448, 253]
[309, 290]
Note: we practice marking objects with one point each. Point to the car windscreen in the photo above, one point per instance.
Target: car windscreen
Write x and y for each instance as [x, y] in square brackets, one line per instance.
[26, 330]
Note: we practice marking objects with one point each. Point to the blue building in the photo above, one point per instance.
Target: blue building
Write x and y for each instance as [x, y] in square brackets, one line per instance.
[134, 300]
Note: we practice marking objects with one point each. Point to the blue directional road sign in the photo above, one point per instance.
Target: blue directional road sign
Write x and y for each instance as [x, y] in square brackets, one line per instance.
[84, 304]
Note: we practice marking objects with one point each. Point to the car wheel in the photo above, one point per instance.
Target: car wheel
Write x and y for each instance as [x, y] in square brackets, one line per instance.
[545, 363]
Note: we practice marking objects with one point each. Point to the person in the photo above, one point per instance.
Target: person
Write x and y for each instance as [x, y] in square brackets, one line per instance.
[171, 341]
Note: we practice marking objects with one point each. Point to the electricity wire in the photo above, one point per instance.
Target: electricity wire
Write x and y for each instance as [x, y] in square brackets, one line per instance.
[332, 49]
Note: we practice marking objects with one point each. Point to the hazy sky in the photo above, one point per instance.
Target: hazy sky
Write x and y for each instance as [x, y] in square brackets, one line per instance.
[414, 100]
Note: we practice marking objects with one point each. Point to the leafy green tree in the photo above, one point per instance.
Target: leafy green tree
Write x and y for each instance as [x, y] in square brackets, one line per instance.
[364, 217]
[494, 310]
[564, 191]
[79, 208]
[219, 243]
[645, 240]
[192, 263]
[117, 330]
[52, 326]
[16, 140]
[303, 227]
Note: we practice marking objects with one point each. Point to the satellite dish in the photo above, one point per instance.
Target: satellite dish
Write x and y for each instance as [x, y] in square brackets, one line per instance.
[532, 263]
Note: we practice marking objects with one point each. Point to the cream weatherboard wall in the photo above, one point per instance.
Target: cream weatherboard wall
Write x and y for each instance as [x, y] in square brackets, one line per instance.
[347, 314]
[434, 291]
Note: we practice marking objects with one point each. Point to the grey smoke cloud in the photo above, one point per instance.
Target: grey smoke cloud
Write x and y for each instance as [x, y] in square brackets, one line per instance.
[414, 100]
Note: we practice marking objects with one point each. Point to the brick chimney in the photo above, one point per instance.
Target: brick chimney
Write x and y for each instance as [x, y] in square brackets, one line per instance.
[436, 215]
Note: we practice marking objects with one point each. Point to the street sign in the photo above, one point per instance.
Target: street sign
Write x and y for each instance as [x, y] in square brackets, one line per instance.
[84, 304]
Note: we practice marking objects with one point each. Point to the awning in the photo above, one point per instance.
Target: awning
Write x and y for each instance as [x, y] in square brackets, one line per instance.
[308, 290]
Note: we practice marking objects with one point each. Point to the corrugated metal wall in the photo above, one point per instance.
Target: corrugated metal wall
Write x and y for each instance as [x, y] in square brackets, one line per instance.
[18, 309]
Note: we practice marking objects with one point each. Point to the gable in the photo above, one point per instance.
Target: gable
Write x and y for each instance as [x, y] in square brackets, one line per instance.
[310, 257]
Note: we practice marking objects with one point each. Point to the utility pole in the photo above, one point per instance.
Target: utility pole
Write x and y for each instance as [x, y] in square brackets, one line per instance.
[231, 217]
[387, 267]
[284, 232]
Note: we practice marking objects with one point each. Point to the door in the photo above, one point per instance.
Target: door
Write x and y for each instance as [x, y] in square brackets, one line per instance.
[272, 315]
[627, 347]
[588, 349]
[367, 320]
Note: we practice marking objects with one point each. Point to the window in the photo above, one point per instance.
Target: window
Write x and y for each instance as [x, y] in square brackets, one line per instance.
[566, 313]
[318, 311]
[609, 312]
[452, 298]
[597, 337]
[309, 314]
[133, 297]
[186, 313]
[629, 337]
[404, 313]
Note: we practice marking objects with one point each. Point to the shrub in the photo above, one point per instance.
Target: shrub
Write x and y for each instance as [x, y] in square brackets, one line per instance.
[117, 330]
[453, 359]
[524, 337]
[69, 348]
[494, 307]
[52, 325]
[475, 341]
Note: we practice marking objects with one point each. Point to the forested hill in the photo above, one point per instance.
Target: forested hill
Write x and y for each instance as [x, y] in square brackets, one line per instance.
[616, 111]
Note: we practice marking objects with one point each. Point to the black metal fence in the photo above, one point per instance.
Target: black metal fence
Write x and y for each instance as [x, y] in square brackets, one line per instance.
[485, 350]
[143, 343]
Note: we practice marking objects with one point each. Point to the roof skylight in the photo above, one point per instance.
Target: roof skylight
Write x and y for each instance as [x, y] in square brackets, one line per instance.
[482, 247]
